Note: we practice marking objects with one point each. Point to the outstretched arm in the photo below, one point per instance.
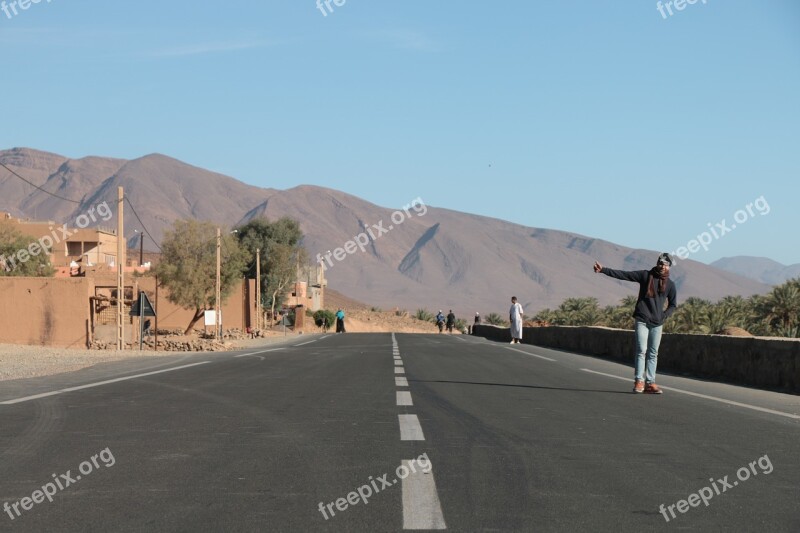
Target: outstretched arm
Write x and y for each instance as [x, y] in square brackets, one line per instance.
[625, 275]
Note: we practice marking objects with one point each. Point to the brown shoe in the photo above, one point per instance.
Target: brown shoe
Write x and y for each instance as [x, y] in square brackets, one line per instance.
[652, 388]
[638, 386]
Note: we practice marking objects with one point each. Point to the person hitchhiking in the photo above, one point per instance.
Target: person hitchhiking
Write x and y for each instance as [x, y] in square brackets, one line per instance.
[655, 290]
[440, 320]
[515, 318]
[340, 321]
[451, 322]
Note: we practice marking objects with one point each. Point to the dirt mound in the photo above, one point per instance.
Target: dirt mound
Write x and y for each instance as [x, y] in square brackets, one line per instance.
[734, 332]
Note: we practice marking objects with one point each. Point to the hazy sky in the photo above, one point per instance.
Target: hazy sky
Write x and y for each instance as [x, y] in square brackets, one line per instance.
[604, 118]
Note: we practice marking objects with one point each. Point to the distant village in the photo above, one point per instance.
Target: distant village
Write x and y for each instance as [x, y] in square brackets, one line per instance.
[77, 306]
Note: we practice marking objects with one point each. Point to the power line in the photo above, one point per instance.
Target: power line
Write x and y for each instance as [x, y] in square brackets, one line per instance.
[142, 223]
[36, 186]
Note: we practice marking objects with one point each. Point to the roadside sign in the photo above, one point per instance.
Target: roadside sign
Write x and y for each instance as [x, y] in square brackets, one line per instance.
[144, 303]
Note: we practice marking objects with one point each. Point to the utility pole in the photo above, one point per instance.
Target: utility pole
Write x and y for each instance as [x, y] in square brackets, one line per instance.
[217, 320]
[141, 248]
[121, 245]
[258, 288]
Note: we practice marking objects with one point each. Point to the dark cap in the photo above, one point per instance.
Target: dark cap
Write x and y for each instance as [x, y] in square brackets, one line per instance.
[664, 258]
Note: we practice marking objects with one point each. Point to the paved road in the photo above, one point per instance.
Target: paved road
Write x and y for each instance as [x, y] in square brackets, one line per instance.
[434, 431]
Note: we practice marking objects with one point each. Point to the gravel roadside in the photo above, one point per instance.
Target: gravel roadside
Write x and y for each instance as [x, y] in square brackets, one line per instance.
[22, 362]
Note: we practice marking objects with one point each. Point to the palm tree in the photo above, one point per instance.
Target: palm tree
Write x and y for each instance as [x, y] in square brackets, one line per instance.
[781, 308]
[691, 317]
[580, 312]
[495, 320]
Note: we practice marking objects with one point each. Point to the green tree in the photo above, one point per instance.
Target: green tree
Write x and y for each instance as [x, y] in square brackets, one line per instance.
[579, 312]
[781, 309]
[691, 317]
[15, 257]
[322, 315]
[188, 266]
[495, 319]
[281, 255]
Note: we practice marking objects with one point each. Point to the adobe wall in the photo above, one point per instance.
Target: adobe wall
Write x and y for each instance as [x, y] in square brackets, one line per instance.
[44, 311]
[56, 311]
[769, 363]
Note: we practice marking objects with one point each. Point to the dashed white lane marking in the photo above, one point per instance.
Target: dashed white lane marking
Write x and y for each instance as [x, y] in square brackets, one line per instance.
[531, 354]
[255, 353]
[396, 357]
[399, 370]
[421, 506]
[324, 337]
[410, 429]
[398, 362]
[705, 396]
[400, 382]
[99, 383]
[404, 398]
[303, 344]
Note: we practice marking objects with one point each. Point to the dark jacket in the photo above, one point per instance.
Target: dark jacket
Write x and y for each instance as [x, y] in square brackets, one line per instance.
[649, 310]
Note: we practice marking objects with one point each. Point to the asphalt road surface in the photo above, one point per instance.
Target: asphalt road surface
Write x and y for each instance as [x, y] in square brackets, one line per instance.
[372, 432]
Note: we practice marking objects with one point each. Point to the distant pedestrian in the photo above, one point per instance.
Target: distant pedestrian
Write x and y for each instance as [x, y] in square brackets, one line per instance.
[146, 328]
[649, 314]
[340, 321]
[476, 322]
[515, 318]
[325, 324]
[440, 320]
[451, 321]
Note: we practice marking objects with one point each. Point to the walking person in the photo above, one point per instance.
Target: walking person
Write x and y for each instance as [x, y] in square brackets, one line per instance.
[440, 320]
[340, 321]
[657, 301]
[515, 318]
[451, 322]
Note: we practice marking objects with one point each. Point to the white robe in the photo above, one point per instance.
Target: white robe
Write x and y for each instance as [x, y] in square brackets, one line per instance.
[515, 314]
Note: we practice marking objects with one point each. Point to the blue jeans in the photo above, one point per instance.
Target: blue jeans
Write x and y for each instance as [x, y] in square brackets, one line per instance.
[648, 339]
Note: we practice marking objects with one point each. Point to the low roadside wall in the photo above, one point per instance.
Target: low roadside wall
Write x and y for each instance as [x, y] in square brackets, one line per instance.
[769, 363]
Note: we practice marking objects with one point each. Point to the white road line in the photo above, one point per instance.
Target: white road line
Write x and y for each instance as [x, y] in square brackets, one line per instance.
[421, 506]
[704, 396]
[410, 429]
[398, 362]
[399, 370]
[99, 383]
[262, 351]
[459, 338]
[325, 337]
[245, 354]
[404, 397]
[303, 344]
[400, 382]
[531, 354]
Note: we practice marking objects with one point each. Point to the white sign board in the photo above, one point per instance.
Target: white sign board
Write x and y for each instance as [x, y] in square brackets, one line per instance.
[210, 318]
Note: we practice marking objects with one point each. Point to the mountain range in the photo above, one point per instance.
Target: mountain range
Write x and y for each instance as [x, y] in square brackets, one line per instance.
[759, 268]
[434, 258]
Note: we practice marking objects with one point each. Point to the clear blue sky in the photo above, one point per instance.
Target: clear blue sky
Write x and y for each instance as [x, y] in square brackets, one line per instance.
[602, 118]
